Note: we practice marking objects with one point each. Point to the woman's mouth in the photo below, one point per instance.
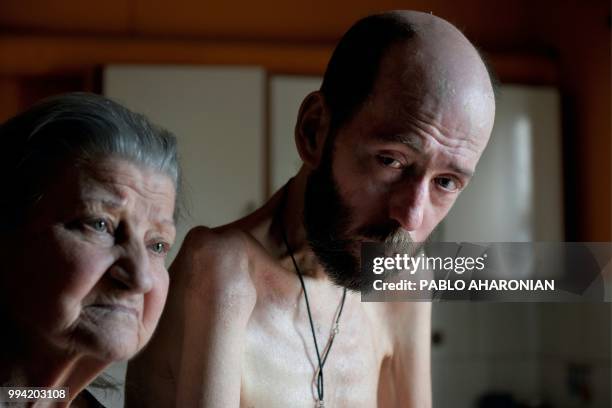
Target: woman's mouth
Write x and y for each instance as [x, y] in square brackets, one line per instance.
[115, 308]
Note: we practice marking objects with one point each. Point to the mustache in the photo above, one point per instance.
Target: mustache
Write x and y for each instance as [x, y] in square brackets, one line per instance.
[387, 232]
[392, 237]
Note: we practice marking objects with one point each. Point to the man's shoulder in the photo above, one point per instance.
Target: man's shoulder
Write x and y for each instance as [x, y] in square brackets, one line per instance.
[215, 264]
[216, 243]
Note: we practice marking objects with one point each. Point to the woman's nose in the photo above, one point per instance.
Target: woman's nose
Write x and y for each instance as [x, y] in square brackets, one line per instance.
[133, 268]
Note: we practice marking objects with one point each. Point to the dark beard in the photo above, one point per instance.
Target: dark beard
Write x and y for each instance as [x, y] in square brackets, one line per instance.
[327, 218]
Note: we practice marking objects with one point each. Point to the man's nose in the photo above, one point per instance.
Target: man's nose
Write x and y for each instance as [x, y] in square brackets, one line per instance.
[408, 204]
[133, 268]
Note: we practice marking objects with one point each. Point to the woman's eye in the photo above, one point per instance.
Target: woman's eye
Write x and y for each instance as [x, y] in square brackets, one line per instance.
[159, 248]
[390, 162]
[100, 225]
[448, 183]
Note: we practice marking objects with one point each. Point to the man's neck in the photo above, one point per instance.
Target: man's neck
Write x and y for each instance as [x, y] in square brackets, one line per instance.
[291, 209]
[283, 214]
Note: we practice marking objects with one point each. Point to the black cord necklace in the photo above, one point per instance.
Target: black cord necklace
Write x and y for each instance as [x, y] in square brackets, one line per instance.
[336, 327]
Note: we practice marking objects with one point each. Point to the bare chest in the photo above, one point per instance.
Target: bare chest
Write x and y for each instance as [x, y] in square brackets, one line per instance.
[280, 360]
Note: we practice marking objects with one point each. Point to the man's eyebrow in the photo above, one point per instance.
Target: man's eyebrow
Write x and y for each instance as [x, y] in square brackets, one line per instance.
[463, 171]
[412, 141]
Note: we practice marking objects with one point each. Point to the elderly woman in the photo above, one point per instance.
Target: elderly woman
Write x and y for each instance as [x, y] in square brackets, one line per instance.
[86, 219]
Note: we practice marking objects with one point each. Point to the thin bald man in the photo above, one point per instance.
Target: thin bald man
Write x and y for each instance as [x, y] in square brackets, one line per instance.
[405, 111]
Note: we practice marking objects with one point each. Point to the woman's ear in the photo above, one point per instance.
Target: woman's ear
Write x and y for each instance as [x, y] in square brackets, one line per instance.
[312, 128]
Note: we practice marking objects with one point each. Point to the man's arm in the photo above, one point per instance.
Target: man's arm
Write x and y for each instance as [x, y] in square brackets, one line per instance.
[406, 374]
[195, 357]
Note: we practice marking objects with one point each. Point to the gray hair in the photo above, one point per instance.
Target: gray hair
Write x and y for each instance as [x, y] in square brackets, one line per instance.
[74, 128]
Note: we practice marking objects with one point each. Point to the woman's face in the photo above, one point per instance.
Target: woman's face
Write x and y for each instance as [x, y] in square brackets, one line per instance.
[88, 272]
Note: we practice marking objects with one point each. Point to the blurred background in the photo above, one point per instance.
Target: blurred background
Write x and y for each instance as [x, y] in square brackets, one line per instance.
[228, 77]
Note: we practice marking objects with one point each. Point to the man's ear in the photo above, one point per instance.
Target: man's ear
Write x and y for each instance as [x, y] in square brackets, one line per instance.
[311, 129]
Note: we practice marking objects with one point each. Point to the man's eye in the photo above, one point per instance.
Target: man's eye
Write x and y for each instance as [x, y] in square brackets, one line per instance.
[448, 183]
[390, 162]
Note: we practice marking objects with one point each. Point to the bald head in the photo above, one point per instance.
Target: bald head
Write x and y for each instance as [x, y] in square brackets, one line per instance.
[439, 75]
[420, 55]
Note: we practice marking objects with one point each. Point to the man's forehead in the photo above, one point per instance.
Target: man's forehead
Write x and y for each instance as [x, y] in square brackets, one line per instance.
[405, 119]
[429, 97]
